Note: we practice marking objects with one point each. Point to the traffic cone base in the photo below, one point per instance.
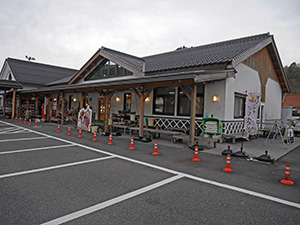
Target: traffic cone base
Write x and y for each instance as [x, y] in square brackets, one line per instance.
[131, 148]
[288, 182]
[228, 170]
[110, 143]
[155, 153]
[196, 159]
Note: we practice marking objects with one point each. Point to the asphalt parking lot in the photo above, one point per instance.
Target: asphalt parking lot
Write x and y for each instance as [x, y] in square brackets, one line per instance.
[53, 178]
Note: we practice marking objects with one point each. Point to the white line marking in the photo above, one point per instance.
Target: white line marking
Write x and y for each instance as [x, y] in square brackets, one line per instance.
[110, 202]
[17, 132]
[23, 139]
[230, 187]
[7, 129]
[54, 167]
[35, 149]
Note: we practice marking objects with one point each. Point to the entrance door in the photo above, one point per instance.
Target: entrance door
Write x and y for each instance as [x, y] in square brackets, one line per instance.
[101, 107]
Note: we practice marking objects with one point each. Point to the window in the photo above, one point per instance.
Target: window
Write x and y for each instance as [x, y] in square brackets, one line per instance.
[127, 102]
[239, 105]
[107, 69]
[164, 99]
[184, 104]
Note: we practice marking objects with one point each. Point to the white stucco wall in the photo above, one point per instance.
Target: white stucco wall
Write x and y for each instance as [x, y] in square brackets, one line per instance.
[246, 79]
[5, 73]
[273, 100]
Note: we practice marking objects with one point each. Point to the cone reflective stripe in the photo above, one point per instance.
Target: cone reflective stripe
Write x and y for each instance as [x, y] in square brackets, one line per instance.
[69, 131]
[155, 149]
[29, 122]
[36, 124]
[196, 155]
[228, 169]
[95, 138]
[58, 128]
[287, 176]
[110, 140]
[25, 121]
[131, 145]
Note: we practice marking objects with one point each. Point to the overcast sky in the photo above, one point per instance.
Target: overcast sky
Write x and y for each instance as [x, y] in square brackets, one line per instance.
[68, 32]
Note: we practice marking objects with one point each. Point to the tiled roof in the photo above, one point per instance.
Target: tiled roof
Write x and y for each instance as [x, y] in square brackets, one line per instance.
[37, 73]
[216, 53]
[221, 52]
[61, 81]
[291, 100]
[131, 60]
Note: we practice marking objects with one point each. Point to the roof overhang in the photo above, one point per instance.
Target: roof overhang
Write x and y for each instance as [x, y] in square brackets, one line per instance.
[8, 84]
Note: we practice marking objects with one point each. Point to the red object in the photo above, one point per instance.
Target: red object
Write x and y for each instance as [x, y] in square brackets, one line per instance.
[287, 176]
[69, 131]
[131, 145]
[196, 155]
[110, 140]
[95, 133]
[79, 135]
[12, 118]
[155, 149]
[228, 169]
[29, 122]
[20, 121]
[58, 128]
[16, 119]
[36, 124]
[25, 121]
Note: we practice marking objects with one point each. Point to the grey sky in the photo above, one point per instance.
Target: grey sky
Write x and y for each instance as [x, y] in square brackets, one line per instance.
[68, 32]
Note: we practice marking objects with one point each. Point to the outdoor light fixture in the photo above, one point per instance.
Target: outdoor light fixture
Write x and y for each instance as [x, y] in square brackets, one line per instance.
[74, 99]
[118, 99]
[55, 99]
[215, 98]
[147, 99]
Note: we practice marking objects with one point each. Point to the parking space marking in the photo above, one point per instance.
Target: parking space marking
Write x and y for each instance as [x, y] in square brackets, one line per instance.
[54, 167]
[215, 183]
[110, 202]
[23, 139]
[35, 149]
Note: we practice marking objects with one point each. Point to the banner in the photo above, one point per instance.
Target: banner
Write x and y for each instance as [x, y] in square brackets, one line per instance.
[252, 106]
[85, 119]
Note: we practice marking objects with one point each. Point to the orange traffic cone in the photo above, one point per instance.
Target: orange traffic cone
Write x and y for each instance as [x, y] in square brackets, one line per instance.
[110, 140]
[20, 121]
[228, 169]
[69, 131]
[131, 145]
[79, 135]
[155, 149]
[29, 122]
[287, 176]
[25, 121]
[16, 119]
[58, 128]
[196, 155]
[12, 118]
[36, 124]
[95, 138]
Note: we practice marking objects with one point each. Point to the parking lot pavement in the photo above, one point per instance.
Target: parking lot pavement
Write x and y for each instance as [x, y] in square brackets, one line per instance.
[83, 182]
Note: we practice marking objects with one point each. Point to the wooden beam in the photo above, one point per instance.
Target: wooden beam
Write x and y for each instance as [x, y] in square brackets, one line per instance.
[136, 92]
[63, 102]
[141, 131]
[148, 93]
[13, 113]
[4, 102]
[184, 91]
[193, 114]
[20, 105]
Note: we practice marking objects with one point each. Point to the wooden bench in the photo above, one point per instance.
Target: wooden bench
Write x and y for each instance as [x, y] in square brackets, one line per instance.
[119, 126]
[210, 142]
[232, 136]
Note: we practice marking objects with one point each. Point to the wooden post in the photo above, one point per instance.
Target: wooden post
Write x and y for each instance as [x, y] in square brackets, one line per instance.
[63, 108]
[107, 108]
[48, 108]
[193, 114]
[4, 102]
[82, 100]
[13, 113]
[37, 106]
[20, 106]
[27, 107]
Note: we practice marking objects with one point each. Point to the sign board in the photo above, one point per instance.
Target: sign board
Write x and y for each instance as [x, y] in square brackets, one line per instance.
[290, 136]
[211, 126]
[85, 119]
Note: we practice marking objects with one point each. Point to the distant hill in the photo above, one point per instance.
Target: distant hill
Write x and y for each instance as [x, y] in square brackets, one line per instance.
[293, 75]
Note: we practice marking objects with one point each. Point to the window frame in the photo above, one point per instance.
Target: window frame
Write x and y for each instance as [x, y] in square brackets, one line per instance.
[243, 97]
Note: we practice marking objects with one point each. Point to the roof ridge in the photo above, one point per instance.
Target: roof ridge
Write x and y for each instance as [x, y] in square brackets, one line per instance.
[104, 48]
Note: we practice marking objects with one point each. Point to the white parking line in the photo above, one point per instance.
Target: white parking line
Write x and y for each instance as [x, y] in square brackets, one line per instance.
[23, 139]
[230, 187]
[35, 149]
[54, 167]
[110, 202]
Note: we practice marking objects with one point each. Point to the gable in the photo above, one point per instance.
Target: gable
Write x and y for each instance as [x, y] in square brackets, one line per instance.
[6, 72]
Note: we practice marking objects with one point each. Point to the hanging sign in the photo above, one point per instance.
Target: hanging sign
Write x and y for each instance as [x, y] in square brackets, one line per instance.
[252, 105]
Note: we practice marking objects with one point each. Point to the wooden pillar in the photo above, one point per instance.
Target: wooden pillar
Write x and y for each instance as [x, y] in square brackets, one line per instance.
[37, 106]
[193, 114]
[63, 108]
[48, 108]
[82, 100]
[108, 97]
[27, 107]
[13, 113]
[4, 102]
[20, 106]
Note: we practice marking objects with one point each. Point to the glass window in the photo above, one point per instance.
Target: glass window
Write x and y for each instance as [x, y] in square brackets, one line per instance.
[239, 106]
[164, 99]
[127, 102]
[184, 104]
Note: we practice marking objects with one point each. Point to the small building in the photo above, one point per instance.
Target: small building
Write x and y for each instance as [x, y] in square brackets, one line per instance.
[292, 100]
